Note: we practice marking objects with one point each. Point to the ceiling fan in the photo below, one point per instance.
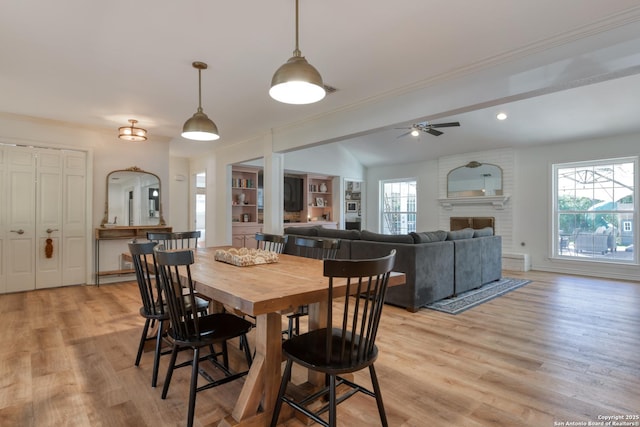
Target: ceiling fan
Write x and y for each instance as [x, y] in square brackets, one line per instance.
[415, 129]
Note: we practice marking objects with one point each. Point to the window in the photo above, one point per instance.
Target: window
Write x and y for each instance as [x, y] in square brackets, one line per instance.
[594, 210]
[398, 207]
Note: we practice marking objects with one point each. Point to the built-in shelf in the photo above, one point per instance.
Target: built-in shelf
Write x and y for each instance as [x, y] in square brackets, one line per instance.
[497, 202]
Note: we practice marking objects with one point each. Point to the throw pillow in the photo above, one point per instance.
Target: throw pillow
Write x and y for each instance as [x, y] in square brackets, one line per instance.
[302, 231]
[465, 233]
[483, 232]
[388, 238]
[429, 236]
[339, 234]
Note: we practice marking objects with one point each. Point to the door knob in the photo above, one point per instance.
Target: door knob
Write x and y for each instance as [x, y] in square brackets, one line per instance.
[21, 231]
[50, 230]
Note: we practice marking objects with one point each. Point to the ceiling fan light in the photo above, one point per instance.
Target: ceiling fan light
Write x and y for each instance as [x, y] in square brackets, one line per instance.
[297, 82]
[132, 133]
[200, 128]
[415, 132]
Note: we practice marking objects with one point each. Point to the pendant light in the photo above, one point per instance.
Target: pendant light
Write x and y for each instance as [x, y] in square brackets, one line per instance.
[297, 81]
[200, 127]
[132, 133]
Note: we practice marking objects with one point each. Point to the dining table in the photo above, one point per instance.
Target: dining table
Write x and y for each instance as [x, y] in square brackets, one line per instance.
[266, 292]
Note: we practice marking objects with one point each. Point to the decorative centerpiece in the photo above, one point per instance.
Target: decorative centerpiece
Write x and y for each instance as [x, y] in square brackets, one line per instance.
[243, 257]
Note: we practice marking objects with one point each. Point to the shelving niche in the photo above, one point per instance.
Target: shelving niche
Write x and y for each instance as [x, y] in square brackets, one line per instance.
[244, 206]
[319, 198]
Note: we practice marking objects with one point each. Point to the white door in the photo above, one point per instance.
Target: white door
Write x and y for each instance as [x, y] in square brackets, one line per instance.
[19, 250]
[44, 209]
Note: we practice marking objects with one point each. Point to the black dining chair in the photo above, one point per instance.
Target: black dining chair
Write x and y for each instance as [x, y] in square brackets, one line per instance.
[175, 239]
[153, 307]
[346, 345]
[271, 242]
[188, 330]
[316, 249]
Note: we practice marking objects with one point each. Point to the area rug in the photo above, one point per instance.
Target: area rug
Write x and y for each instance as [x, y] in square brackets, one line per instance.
[475, 297]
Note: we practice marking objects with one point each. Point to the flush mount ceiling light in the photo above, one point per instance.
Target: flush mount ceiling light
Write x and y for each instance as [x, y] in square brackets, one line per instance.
[200, 127]
[132, 133]
[297, 81]
[501, 116]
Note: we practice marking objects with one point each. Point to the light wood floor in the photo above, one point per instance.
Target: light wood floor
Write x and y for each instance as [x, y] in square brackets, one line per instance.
[560, 349]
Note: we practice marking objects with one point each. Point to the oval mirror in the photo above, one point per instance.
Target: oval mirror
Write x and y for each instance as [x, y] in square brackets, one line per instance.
[133, 199]
[475, 179]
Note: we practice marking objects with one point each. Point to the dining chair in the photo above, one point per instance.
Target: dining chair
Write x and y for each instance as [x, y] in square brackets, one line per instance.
[153, 307]
[346, 345]
[271, 242]
[316, 249]
[175, 239]
[188, 330]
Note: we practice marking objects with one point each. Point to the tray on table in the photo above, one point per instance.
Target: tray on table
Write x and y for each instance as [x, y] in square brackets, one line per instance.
[243, 257]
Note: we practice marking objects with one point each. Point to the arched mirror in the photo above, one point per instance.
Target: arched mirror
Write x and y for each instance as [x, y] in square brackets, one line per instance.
[475, 179]
[133, 199]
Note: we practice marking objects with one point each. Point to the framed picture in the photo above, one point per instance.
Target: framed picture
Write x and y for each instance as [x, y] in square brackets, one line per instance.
[352, 206]
[356, 186]
[319, 202]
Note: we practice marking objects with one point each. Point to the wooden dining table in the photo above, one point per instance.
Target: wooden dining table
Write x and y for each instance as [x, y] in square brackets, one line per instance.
[266, 291]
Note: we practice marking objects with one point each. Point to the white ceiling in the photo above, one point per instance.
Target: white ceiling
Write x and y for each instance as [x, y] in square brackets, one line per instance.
[98, 64]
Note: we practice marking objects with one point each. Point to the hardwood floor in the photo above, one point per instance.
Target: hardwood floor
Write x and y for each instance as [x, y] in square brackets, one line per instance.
[560, 349]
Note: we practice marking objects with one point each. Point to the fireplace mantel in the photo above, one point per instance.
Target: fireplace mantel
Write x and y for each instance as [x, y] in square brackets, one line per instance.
[497, 202]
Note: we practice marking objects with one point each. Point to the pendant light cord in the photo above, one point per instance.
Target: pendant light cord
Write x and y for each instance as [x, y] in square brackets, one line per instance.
[199, 90]
[297, 52]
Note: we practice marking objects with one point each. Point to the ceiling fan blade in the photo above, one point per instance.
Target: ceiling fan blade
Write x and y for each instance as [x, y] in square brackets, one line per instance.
[404, 134]
[445, 125]
[433, 132]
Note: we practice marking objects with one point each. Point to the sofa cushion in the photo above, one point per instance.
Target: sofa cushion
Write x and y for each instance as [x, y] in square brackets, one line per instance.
[429, 236]
[465, 233]
[339, 234]
[389, 238]
[483, 232]
[302, 231]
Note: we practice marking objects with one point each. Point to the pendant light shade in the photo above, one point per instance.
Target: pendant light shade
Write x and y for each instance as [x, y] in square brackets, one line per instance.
[297, 81]
[132, 133]
[200, 127]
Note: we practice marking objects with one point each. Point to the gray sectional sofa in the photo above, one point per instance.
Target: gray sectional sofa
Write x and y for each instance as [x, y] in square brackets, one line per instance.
[438, 264]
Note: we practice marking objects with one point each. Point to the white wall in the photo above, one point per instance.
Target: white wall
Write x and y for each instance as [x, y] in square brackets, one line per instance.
[180, 200]
[532, 209]
[105, 153]
[525, 221]
[426, 175]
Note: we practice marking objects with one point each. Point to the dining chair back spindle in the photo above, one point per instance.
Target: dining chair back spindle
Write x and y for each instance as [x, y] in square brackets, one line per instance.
[189, 330]
[316, 249]
[175, 239]
[153, 308]
[346, 345]
[271, 242]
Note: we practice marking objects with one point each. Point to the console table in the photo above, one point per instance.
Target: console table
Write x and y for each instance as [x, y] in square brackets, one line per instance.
[121, 233]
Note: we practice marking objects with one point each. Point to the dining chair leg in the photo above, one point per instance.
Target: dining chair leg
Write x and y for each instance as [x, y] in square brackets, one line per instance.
[286, 376]
[244, 343]
[172, 364]
[156, 356]
[225, 355]
[143, 339]
[332, 401]
[194, 386]
[376, 390]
